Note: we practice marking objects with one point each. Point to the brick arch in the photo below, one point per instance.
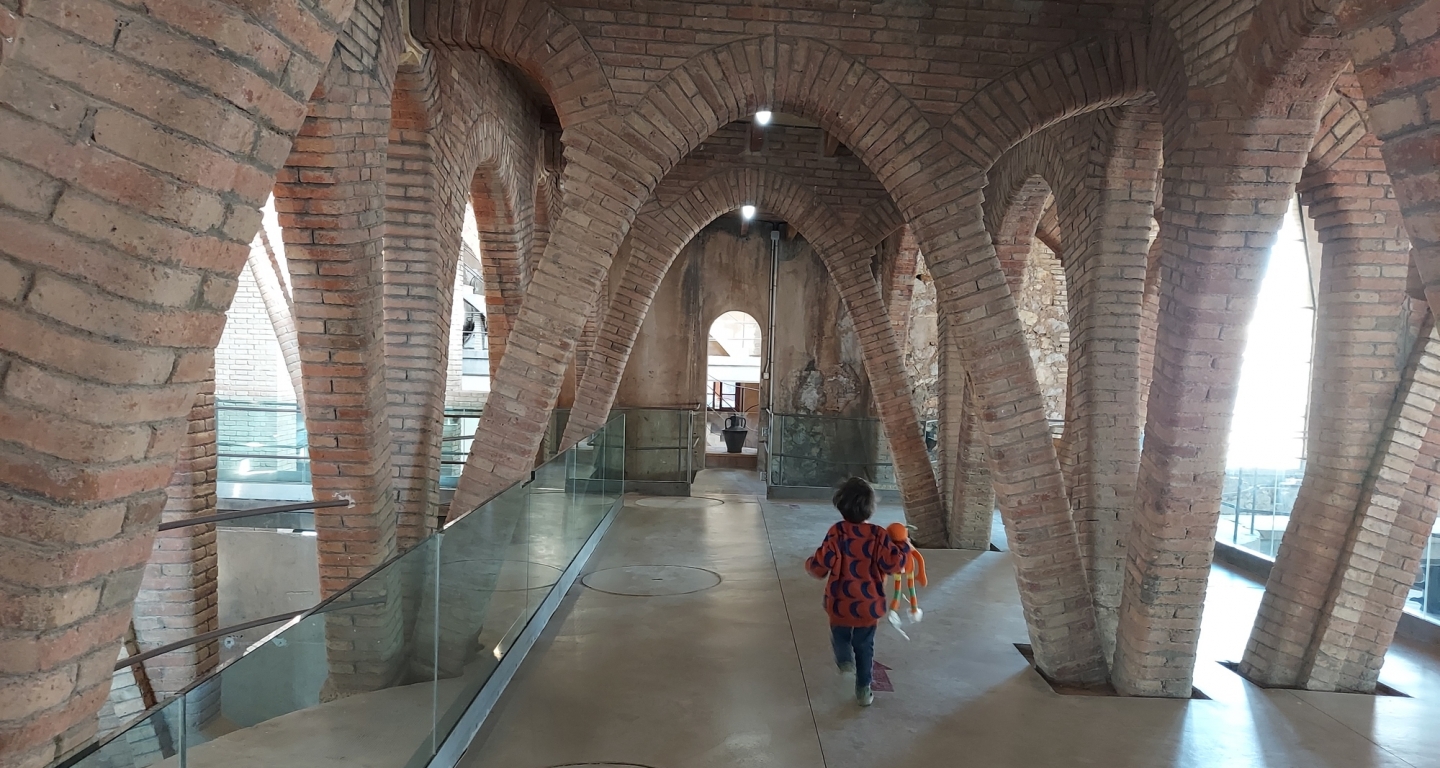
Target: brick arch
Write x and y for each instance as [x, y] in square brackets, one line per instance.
[937, 189]
[657, 238]
[1017, 221]
[530, 34]
[799, 75]
[1089, 75]
[1290, 51]
[938, 192]
[506, 233]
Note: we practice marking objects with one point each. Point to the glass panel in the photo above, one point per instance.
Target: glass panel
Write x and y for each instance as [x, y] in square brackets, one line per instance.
[458, 434]
[660, 446]
[260, 441]
[341, 684]
[820, 451]
[382, 673]
[481, 604]
[152, 739]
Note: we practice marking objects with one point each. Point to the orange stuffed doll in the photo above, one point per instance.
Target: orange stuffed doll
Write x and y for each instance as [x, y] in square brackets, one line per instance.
[910, 574]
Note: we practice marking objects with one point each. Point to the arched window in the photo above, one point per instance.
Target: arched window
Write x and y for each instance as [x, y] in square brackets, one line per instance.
[1266, 458]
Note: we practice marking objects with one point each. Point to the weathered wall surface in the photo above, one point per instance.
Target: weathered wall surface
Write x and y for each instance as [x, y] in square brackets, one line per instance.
[1047, 327]
[922, 347]
[818, 367]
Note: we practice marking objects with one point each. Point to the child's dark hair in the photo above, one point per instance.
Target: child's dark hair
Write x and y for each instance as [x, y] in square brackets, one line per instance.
[855, 499]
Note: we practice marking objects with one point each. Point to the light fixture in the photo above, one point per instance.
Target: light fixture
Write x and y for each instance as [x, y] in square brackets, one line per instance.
[747, 212]
[762, 117]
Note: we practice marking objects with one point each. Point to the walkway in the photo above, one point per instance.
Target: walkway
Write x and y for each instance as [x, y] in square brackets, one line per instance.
[739, 674]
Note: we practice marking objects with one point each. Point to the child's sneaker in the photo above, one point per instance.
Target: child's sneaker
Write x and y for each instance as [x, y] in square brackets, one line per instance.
[847, 668]
[864, 696]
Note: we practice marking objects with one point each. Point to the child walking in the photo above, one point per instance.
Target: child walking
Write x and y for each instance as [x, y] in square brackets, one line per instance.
[855, 558]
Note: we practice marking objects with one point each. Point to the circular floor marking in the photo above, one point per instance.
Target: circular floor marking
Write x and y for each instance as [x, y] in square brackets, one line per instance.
[678, 502]
[651, 580]
[538, 575]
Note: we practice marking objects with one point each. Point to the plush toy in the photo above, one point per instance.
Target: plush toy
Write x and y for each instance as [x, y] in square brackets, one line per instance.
[911, 574]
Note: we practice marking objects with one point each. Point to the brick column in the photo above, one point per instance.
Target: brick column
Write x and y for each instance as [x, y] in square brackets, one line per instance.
[504, 247]
[899, 282]
[1024, 467]
[1362, 329]
[890, 384]
[1218, 226]
[133, 165]
[177, 598]
[1384, 543]
[265, 267]
[964, 473]
[417, 322]
[1150, 315]
[1396, 47]
[331, 200]
[1106, 219]
[565, 286]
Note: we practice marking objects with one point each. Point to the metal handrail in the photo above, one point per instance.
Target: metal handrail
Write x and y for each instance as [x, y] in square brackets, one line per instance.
[243, 513]
[216, 634]
[265, 456]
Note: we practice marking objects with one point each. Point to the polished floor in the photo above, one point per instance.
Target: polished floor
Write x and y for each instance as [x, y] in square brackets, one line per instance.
[721, 658]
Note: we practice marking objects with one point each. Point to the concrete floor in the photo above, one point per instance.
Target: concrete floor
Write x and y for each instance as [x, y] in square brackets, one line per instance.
[739, 674]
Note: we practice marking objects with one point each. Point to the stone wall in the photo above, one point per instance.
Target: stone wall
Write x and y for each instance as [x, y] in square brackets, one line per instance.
[922, 347]
[1043, 315]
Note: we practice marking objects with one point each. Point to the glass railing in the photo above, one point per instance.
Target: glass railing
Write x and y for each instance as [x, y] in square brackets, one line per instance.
[1255, 507]
[820, 451]
[260, 441]
[456, 438]
[382, 672]
[660, 448]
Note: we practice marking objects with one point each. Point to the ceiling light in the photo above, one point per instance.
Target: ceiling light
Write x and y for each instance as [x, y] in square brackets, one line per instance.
[747, 212]
[762, 117]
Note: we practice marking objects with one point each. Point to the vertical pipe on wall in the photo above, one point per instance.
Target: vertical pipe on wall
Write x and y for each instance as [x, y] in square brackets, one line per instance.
[769, 375]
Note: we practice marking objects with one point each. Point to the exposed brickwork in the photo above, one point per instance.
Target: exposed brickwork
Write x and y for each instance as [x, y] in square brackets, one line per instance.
[1394, 46]
[445, 132]
[177, 598]
[265, 269]
[134, 165]
[1362, 331]
[657, 239]
[789, 151]
[141, 139]
[1215, 235]
[964, 472]
[331, 201]
[898, 283]
[1108, 221]
[1385, 543]
[249, 363]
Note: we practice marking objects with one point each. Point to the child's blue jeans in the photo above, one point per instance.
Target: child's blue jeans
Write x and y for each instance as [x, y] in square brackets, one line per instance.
[855, 644]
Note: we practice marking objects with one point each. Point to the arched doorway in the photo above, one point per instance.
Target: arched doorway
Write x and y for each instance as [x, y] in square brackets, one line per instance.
[733, 357]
